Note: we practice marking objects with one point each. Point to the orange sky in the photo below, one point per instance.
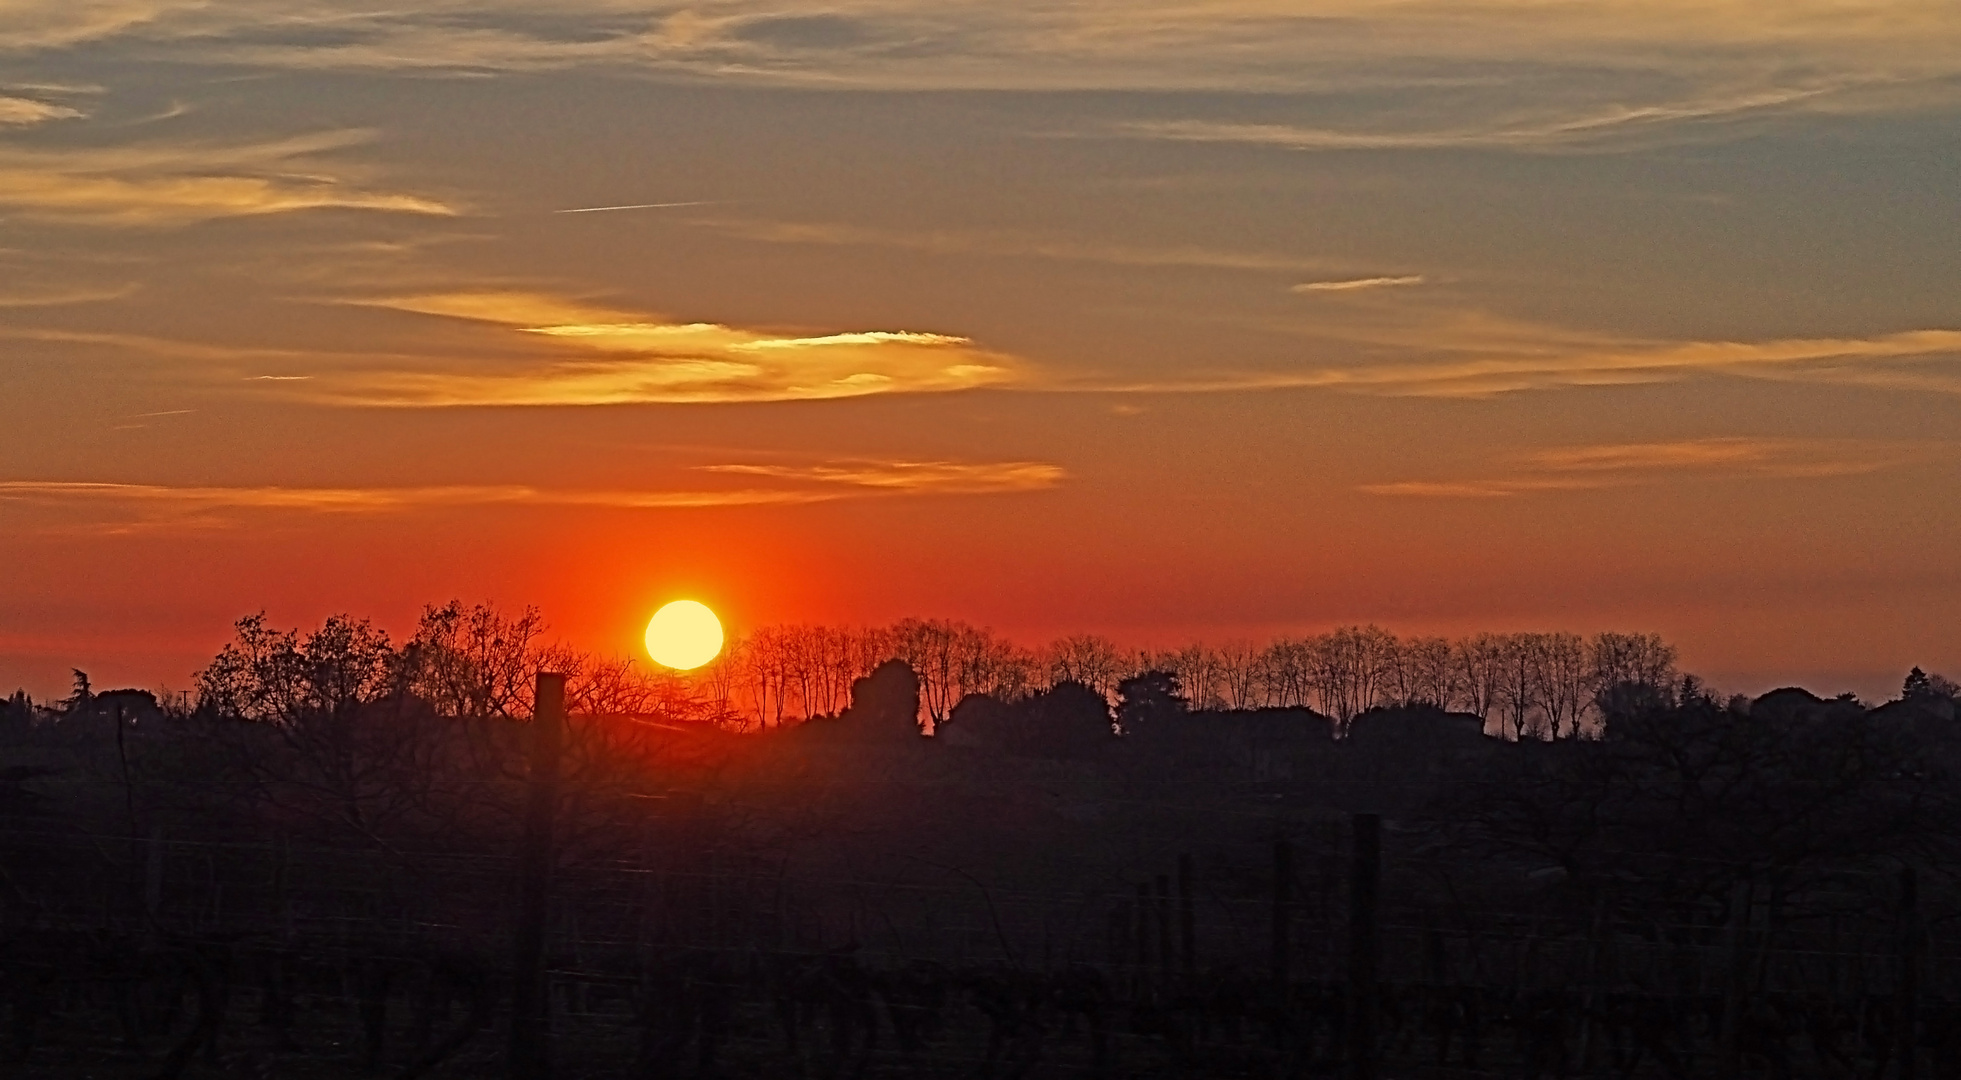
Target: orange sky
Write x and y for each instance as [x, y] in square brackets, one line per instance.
[1163, 321]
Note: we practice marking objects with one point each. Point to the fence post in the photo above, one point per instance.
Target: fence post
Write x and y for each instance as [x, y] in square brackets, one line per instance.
[1283, 881]
[1909, 931]
[1187, 920]
[530, 1052]
[1364, 945]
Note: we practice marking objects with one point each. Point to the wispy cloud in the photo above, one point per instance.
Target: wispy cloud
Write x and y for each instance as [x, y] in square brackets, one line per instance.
[55, 24]
[1607, 126]
[60, 297]
[631, 206]
[1472, 489]
[24, 112]
[557, 351]
[1075, 44]
[1554, 361]
[204, 505]
[1790, 458]
[377, 500]
[609, 357]
[1008, 245]
[1356, 284]
[1427, 351]
[914, 476]
[114, 508]
[1574, 468]
[162, 184]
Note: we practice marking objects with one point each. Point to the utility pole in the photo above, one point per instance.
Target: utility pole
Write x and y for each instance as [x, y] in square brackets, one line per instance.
[530, 1054]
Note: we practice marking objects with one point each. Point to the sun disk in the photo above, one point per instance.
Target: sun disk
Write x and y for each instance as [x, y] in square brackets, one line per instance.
[684, 635]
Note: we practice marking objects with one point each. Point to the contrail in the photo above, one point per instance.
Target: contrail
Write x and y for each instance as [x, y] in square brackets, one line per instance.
[635, 206]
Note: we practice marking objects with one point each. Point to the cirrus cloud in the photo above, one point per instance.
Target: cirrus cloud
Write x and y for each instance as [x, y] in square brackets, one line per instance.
[603, 357]
[134, 506]
[1508, 75]
[1609, 465]
[24, 112]
[173, 184]
[1357, 284]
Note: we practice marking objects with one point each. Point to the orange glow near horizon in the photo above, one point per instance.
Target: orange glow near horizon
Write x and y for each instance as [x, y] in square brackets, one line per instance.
[1517, 317]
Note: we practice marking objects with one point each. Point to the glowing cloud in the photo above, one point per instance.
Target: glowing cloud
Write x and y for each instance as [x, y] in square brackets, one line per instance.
[58, 297]
[1572, 468]
[22, 112]
[175, 184]
[611, 358]
[808, 484]
[1470, 489]
[1154, 44]
[918, 476]
[1355, 284]
[1607, 126]
[1472, 354]
[1554, 363]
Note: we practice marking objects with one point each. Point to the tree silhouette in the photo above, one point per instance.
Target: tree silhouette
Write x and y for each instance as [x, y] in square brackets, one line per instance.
[1916, 686]
[885, 703]
[1068, 720]
[1150, 698]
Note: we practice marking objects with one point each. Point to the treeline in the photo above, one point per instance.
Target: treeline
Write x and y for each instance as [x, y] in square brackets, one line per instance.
[321, 839]
[1547, 685]
[476, 661]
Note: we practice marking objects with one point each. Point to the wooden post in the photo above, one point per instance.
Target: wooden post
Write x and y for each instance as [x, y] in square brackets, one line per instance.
[1364, 945]
[1907, 1046]
[530, 1051]
[1283, 881]
[1143, 928]
[1187, 920]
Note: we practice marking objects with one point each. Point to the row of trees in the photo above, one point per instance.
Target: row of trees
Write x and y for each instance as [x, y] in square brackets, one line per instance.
[1533, 684]
[469, 662]
[478, 661]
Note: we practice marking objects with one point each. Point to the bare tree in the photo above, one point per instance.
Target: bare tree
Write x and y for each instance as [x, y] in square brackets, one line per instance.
[1286, 669]
[1630, 672]
[1093, 661]
[475, 661]
[1516, 691]
[1241, 674]
[1434, 674]
[1199, 673]
[1564, 681]
[1480, 664]
[1352, 670]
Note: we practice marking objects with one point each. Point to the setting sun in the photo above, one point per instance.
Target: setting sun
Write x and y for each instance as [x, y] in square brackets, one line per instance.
[683, 635]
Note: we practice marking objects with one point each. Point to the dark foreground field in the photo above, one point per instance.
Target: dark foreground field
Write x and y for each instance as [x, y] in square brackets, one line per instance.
[1747, 889]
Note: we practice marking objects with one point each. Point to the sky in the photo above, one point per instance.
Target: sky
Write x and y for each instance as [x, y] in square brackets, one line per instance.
[1161, 319]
